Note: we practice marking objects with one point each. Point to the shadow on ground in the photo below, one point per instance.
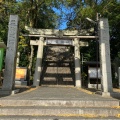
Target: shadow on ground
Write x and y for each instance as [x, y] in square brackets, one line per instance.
[22, 88]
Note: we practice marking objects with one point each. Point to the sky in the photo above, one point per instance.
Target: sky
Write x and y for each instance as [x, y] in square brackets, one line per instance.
[64, 12]
[63, 24]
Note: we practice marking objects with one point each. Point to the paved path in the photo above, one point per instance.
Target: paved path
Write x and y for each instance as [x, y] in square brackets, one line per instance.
[55, 92]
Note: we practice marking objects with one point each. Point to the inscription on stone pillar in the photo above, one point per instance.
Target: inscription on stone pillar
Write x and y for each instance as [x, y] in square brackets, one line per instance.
[10, 60]
[105, 55]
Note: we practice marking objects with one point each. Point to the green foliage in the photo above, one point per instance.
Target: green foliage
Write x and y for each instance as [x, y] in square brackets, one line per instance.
[39, 14]
[112, 12]
[23, 48]
[89, 8]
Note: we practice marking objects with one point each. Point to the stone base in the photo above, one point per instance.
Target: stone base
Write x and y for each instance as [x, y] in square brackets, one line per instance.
[78, 83]
[5, 92]
[9, 92]
[106, 94]
[15, 91]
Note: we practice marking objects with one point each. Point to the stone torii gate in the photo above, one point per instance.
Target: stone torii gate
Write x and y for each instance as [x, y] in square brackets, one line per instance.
[42, 42]
[57, 37]
[74, 36]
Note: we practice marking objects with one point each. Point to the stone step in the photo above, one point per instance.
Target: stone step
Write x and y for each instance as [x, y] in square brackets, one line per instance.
[59, 111]
[17, 117]
[60, 102]
[57, 75]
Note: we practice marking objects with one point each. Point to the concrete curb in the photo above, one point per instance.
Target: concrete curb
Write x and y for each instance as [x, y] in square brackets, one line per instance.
[66, 103]
[58, 111]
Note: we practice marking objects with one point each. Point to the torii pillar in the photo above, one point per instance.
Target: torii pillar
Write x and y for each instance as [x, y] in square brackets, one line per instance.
[77, 63]
[105, 57]
[38, 67]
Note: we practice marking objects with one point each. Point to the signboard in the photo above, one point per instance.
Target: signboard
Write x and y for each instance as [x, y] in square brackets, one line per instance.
[59, 42]
[92, 71]
[21, 73]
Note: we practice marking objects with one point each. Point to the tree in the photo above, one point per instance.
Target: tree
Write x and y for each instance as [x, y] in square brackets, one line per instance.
[89, 8]
[36, 14]
[112, 13]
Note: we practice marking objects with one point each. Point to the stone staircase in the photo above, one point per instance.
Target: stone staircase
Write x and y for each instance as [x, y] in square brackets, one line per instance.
[58, 66]
[58, 103]
[59, 110]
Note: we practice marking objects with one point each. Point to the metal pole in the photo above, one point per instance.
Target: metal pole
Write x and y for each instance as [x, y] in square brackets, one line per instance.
[97, 18]
[97, 62]
[82, 62]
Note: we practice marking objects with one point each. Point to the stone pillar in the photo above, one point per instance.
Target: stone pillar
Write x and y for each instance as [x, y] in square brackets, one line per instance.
[38, 67]
[10, 60]
[77, 63]
[105, 57]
